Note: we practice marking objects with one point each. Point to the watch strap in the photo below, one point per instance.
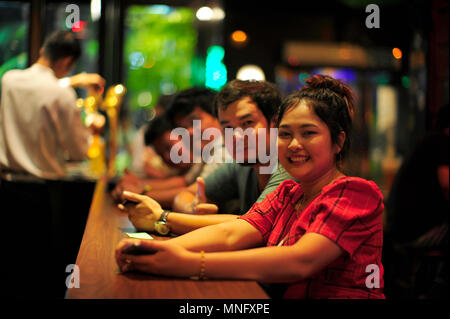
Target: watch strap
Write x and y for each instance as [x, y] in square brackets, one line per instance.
[163, 216]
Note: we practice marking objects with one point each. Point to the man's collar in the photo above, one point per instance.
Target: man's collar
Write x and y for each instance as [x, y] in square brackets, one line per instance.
[43, 68]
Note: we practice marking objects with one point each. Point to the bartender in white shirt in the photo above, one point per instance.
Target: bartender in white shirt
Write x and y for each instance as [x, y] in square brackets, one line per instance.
[39, 125]
[39, 121]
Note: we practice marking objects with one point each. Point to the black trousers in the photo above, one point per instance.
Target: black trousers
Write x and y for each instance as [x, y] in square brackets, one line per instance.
[43, 224]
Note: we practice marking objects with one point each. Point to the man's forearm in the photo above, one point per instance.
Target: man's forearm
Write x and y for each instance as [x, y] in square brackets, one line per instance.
[165, 183]
[165, 196]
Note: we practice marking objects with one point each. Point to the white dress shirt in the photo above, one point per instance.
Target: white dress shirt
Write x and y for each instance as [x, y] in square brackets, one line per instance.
[40, 125]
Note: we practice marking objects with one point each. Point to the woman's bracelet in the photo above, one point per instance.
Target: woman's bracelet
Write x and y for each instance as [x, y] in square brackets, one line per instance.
[202, 266]
[201, 275]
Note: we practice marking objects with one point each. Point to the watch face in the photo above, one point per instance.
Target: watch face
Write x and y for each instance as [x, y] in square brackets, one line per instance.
[162, 228]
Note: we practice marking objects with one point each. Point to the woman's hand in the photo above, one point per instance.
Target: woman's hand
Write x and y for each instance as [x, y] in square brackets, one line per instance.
[169, 259]
[144, 213]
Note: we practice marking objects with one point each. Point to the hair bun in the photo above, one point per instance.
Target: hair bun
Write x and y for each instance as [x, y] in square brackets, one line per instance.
[320, 81]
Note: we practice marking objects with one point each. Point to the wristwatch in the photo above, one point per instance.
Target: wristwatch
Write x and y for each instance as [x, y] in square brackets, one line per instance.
[161, 226]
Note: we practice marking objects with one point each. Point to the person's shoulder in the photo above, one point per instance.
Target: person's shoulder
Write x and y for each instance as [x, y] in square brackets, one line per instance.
[13, 72]
[354, 186]
[230, 167]
[355, 191]
[237, 168]
[65, 95]
[12, 75]
[225, 172]
[280, 174]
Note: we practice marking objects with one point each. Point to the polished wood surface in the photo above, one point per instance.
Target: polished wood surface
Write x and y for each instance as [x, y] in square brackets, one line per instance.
[100, 277]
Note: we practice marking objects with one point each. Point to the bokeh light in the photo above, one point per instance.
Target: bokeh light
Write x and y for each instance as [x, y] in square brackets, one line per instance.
[397, 53]
[239, 36]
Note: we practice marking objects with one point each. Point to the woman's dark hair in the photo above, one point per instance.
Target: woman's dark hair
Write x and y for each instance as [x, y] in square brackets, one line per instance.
[155, 128]
[331, 100]
[61, 44]
[265, 94]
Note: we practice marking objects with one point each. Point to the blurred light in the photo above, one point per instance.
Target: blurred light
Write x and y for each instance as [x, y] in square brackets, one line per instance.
[204, 14]
[250, 72]
[149, 64]
[78, 26]
[80, 103]
[239, 36]
[136, 59]
[345, 53]
[405, 81]
[144, 99]
[96, 9]
[167, 87]
[215, 71]
[328, 71]
[346, 75]
[174, 16]
[112, 101]
[294, 61]
[215, 52]
[90, 102]
[382, 78]
[218, 13]
[302, 77]
[159, 9]
[397, 53]
[119, 89]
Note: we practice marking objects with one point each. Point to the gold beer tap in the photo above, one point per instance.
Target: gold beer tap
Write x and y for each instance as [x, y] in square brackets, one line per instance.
[111, 104]
[97, 148]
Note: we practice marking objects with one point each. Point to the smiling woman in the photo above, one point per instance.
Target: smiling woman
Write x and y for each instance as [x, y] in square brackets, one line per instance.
[314, 129]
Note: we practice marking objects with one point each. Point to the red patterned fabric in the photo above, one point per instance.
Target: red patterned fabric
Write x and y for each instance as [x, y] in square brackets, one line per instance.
[348, 212]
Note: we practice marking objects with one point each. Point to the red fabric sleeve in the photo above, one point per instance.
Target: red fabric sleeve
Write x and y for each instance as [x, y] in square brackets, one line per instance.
[350, 213]
[263, 215]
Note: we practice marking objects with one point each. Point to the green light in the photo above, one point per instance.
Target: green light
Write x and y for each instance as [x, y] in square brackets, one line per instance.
[405, 81]
[198, 70]
[159, 47]
[382, 79]
[302, 77]
[215, 72]
[215, 52]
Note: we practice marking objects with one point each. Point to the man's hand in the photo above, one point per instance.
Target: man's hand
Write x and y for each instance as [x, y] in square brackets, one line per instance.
[199, 205]
[144, 213]
[88, 80]
[129, 182]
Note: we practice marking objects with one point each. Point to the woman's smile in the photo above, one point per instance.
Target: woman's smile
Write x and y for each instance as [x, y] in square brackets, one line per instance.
[298, 159]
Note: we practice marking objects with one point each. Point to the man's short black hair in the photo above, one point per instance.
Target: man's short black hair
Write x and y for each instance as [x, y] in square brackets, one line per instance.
[156, 127]
[61, 44]
[164, 101]
[265, 94]
[184, 102]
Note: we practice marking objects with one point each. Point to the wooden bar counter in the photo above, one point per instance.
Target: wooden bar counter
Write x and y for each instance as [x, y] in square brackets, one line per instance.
[100, 277]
